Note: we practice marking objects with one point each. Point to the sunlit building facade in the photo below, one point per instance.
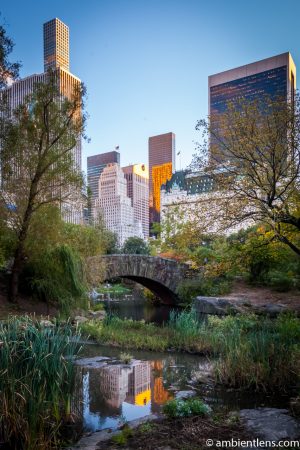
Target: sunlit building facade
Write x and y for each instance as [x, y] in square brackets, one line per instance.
[114, 206]
[95, 166]
[137, 177]
[161, 152]
[56, 45]
[160, 175]
[273, 77]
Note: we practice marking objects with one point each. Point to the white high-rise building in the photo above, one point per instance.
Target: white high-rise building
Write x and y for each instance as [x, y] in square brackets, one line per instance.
[114, 206]
[137, 176]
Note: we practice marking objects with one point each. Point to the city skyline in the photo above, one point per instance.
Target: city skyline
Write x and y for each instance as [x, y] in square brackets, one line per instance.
[146, 66]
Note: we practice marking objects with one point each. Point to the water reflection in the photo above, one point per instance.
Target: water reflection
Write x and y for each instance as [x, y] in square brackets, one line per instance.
[109, 392]
[114, 392]
[136, 307]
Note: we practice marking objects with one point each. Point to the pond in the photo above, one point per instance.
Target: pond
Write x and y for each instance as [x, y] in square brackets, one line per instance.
[109, 392]
[135, 306]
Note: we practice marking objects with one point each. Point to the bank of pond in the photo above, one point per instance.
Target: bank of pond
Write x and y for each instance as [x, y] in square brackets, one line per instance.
[52, 386]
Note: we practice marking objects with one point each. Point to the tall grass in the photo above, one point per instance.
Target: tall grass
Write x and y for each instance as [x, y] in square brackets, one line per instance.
[36, 382]
[259, 353]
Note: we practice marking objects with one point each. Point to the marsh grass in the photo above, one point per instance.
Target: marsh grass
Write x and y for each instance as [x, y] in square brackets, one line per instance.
[248, 351]
[36, 382]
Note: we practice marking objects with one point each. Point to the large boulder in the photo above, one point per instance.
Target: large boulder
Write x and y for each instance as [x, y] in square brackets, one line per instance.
[271, 424]
[215, 306]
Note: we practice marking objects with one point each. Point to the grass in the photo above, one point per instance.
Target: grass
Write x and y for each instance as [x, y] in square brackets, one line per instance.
[253, 352]
[36, 382]
[116, 289]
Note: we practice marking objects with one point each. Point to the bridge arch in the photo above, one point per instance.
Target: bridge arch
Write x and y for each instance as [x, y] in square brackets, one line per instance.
[160, 275]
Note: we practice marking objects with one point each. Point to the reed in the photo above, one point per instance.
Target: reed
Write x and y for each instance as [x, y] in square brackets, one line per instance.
[36, 382]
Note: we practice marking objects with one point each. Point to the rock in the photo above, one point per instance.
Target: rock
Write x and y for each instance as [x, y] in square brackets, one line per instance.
[271, 424]
[95, 362]
[80, 319]
[295, 405]
[97, 314]
[273, 310]
[185, 394]
[215, 305]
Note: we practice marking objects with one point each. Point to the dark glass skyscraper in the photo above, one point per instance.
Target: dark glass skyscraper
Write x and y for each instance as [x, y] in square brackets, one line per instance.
[274, 77]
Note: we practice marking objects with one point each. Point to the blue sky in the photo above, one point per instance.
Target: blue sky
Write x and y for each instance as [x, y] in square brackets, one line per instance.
[146, 63]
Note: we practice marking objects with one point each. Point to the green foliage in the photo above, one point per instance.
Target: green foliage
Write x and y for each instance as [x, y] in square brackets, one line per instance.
[135, 246]
[260, 353]
[125, 358]
[57, 276]
[280, 281]
[98, 307]
[185, 323]
[188, 289]
[146, 427]
[8, 69]
[115, 289]
[123, 436]
[36, 382]
[177, 408]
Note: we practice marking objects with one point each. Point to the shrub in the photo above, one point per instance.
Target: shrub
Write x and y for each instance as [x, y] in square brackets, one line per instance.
[185, 408]
[280, 281]
[125, 358]
[206, 286]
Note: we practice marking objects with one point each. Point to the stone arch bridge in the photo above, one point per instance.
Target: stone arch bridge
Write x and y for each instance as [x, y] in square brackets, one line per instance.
[160, 275]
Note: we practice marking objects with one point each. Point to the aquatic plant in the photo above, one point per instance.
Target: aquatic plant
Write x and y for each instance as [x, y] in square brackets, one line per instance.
[176, 408]
[36, 382]
[125, 358]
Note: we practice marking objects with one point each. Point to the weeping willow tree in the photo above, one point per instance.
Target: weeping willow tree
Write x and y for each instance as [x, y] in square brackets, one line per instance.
[57, 276]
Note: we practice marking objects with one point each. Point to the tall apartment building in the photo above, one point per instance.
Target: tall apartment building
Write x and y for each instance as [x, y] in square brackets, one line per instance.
[114, 205]
[274, 77]
[95, 166]
[56, 57]
[137, 176]
[161, 153]
[56, 45]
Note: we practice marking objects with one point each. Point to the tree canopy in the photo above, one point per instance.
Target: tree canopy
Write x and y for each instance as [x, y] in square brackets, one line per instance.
[135, 246]
[8, 70]
[252, 151]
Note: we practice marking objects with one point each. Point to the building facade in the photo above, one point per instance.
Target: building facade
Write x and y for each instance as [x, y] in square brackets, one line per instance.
[193, 197]
[161, 153]
[137, 176]
[273, 77]
[56, 57]
[56, 45]
[114, 206]
[95, 166]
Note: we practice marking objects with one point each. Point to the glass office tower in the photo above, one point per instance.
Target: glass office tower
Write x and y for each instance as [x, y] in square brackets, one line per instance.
[273, 77]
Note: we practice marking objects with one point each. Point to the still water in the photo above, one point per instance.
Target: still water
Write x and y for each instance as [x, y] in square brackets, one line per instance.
[136, 307]
[110, 392]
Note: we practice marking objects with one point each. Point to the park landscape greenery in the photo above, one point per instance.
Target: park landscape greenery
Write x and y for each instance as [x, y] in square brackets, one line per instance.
[46, 258]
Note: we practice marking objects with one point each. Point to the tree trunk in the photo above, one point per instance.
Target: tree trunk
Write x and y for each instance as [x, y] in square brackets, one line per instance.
[13, 287]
